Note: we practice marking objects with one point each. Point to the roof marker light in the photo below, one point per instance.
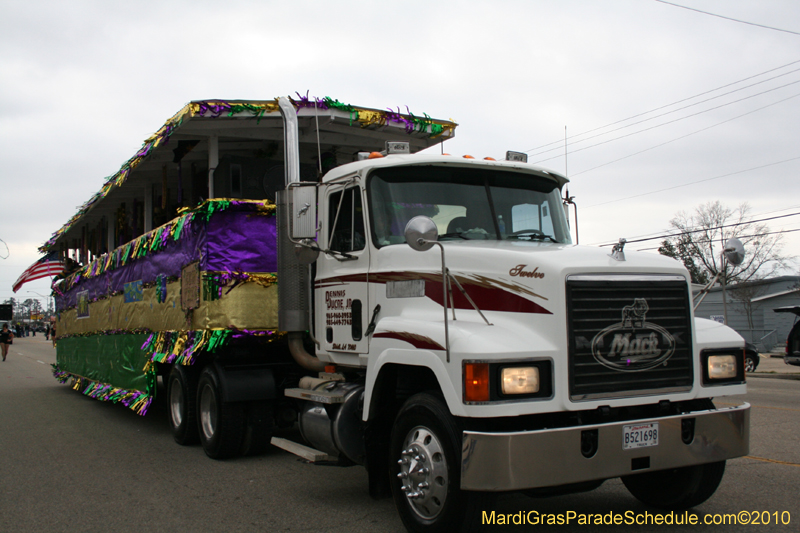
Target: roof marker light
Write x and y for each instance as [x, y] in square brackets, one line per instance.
[397, 147]
[519, 157]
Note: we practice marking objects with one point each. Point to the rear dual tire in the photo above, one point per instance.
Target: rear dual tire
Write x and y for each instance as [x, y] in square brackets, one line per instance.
[229, 429]
[221, 424]
[182, 404]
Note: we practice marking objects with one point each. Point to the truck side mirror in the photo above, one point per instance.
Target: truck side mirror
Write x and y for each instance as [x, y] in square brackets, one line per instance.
[304, 211]
[421, 232]
[734, 251]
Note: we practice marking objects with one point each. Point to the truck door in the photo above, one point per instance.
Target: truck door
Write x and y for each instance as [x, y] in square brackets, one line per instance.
[341, 287]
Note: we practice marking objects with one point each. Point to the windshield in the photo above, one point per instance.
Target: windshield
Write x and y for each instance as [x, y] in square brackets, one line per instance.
[466, 204]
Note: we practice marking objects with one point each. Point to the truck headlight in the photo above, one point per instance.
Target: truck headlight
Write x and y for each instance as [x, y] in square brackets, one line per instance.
[722, 367]
[507, 380]
[520, 380]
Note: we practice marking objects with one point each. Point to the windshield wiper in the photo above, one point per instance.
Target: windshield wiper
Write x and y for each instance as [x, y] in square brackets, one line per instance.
[455, 234]
[532, 237]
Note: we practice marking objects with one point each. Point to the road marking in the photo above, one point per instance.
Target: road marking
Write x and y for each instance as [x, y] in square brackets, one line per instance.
[42, 362]
[770, 460]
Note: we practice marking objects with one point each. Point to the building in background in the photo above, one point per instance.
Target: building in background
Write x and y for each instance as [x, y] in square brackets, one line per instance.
[751, 309]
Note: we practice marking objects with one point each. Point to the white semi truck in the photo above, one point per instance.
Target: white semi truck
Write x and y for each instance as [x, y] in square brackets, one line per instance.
[433, 322]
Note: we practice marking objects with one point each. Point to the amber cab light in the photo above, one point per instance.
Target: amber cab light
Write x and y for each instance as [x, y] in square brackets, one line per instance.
[476, 382]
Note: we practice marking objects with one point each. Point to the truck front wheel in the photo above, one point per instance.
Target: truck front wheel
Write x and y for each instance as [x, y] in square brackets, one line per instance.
[181, 395]
[677, 488]
[221, 424]
[426, 470]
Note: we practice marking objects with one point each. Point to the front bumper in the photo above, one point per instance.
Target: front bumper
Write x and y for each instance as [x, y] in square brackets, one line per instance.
[550, 457]
[792, 360]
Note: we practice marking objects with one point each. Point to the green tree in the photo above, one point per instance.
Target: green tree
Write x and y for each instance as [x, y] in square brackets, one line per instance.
[681, 254]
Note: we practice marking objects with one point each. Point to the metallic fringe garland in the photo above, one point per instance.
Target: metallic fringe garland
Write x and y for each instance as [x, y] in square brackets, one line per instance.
[155, 240]
[365, 117]
[180, 347]
[138, 401]
[215, 282]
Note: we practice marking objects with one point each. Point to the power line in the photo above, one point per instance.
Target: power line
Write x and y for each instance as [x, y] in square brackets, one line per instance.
[781, 232]
[678, 120]
[724, 226]
[681, 109]
[667, 105]
[728, 18]
[667, 236]
[690, 183]
[654, 233]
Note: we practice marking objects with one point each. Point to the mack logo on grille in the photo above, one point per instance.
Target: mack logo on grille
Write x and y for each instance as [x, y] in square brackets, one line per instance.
[633, 344]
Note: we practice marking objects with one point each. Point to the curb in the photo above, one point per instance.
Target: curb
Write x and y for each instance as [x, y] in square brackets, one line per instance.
[795, 376]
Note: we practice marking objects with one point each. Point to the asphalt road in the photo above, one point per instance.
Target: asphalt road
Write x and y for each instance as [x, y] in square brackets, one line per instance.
[70, 463]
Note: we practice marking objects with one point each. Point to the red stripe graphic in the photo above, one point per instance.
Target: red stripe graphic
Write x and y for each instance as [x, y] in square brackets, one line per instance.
[418, 341]
[487, 293]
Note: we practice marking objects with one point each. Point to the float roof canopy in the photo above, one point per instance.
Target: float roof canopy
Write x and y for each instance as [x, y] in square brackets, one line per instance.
[245, 127]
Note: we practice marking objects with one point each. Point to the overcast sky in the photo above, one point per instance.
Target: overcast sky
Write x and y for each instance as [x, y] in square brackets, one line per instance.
[84, 83]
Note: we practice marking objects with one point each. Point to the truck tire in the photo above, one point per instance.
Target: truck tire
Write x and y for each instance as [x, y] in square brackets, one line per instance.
[678, 488]
[259, 423]
[220, 424]
[182, 401]
[425, 469]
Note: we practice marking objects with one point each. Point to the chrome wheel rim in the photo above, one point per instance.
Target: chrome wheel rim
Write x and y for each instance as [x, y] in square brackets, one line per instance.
[423, 472]
[208, 411]
[176, 404]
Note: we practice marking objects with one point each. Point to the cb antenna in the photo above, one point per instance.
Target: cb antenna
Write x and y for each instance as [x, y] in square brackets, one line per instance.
[566, 167]
[570, 200]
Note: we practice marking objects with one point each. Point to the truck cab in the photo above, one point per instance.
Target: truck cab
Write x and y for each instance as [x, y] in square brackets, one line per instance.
[516, 337]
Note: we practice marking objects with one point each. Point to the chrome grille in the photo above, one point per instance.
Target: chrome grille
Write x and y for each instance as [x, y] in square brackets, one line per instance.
[628, 336]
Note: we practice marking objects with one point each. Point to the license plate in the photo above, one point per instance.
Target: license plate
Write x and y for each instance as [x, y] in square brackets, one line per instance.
[639, 436]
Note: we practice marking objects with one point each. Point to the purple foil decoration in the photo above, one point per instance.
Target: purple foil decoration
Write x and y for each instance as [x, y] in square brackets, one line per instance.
[150, 338]
[214, 110]
[305, 101]
[232, 241]
[395, 116]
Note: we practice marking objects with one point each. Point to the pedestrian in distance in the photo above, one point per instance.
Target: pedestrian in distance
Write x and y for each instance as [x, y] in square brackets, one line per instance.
[6, 338]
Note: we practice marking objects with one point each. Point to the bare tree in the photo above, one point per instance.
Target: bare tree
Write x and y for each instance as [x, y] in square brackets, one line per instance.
[743, 296]
[702, 234]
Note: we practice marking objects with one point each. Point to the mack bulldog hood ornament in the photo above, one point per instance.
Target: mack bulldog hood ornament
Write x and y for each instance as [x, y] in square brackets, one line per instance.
[633, 344]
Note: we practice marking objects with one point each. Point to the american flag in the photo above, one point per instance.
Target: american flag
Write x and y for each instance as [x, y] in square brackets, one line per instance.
[49, 265]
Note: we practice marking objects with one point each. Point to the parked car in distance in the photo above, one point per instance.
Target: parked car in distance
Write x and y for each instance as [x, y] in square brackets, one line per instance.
[792, 356]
